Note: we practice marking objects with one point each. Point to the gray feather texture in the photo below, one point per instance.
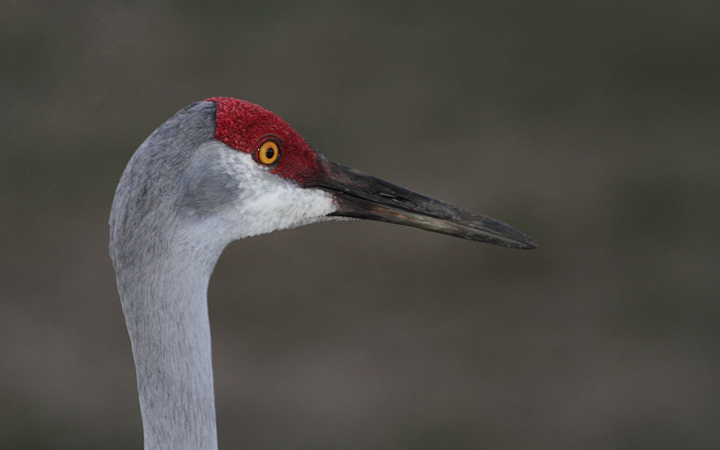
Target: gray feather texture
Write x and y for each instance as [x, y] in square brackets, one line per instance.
[164, 305]
[147, 193]
[181, 199]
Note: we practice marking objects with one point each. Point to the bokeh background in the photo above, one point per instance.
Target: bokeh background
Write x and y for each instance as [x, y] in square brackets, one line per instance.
[592, 126]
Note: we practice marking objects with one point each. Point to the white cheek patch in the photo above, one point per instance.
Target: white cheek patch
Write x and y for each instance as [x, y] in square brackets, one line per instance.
[282, 207]
[268, 202]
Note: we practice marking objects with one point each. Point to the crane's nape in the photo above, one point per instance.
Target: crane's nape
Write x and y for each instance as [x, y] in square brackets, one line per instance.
[217, 171]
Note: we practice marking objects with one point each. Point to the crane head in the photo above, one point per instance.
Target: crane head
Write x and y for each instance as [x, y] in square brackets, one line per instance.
[225, 169]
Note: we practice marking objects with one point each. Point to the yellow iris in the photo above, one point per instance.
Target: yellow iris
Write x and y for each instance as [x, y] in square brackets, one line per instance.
[268, 153]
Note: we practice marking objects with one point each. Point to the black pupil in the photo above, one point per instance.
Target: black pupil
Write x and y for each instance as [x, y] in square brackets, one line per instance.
[269, 153]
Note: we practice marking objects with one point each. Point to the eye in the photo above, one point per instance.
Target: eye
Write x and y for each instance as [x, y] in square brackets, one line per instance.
[268, 153]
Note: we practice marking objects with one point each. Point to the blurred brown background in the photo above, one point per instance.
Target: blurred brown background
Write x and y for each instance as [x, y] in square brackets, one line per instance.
[594, 127]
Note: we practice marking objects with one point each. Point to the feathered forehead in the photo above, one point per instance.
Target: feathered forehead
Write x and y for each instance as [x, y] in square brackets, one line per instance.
[244, 126]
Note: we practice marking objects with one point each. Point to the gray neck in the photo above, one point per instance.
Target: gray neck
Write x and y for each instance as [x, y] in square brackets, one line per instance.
[163, 259]
[165, 307]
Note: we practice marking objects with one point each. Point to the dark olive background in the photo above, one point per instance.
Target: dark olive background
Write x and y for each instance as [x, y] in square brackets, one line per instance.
[592, 126]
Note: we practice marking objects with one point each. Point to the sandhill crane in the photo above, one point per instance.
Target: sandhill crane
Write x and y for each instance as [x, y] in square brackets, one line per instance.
[217, 171]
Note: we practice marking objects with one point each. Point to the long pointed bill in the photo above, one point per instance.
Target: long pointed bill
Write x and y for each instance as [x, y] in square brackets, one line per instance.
[362, 196]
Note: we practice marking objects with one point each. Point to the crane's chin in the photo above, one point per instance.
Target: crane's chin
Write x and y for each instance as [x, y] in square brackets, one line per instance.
[361, 196]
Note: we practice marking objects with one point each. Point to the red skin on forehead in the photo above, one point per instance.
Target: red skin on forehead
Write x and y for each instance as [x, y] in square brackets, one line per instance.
[244, 126]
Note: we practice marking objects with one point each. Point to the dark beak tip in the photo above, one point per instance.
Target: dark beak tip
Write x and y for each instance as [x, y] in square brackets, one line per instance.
[531, 245]
[525, 243]
[504, 235]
